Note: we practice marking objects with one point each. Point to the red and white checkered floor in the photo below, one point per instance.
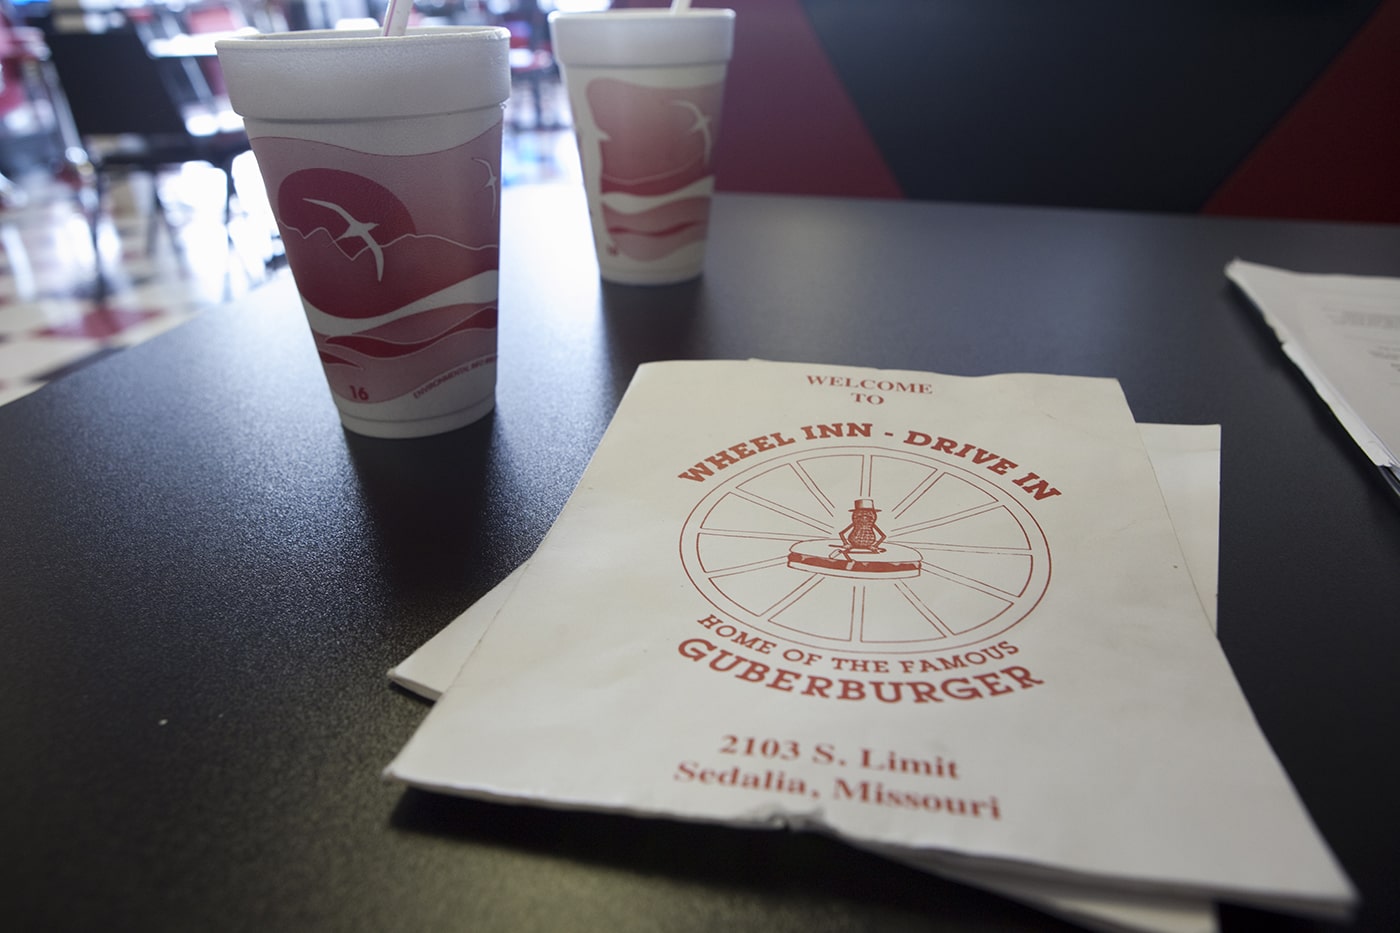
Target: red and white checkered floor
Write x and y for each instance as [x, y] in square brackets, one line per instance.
[55, 315]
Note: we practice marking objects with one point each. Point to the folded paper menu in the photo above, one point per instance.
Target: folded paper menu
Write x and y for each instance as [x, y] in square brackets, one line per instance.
[1186, 460]
[944, 618]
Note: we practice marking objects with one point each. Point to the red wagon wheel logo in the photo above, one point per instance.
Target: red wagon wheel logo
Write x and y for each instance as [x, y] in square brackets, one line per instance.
[866, 550]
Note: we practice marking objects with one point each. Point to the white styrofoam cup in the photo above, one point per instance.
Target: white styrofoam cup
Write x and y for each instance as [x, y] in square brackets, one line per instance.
[381, 157]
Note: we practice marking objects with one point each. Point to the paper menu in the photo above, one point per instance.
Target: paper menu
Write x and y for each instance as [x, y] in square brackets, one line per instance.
[1343, 333]
[1185, 459]
[1006, 665]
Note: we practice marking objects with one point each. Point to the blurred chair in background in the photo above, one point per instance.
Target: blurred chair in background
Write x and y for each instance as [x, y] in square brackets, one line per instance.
[128, 118]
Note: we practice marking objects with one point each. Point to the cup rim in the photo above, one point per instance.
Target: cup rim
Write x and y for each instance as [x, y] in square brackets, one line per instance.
[358, 74]
[646, 13]
[337, 38]
[642, 38]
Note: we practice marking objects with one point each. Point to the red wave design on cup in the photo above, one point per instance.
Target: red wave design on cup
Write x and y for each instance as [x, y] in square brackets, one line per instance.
[380, 364]
[369, 344]
[651, 234]
[427, 324]
[329, 360]
[655, 140]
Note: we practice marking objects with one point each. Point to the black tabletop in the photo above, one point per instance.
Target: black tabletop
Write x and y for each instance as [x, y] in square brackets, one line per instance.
[203, 578]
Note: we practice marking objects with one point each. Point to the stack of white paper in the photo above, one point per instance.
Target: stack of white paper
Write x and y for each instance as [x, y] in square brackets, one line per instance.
[1343, 333]
[945, 619]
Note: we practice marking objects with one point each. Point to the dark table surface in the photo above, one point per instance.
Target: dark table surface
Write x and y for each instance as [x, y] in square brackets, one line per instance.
[203, 578]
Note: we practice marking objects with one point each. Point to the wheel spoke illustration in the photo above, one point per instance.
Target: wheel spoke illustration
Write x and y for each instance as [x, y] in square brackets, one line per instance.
[866, 549]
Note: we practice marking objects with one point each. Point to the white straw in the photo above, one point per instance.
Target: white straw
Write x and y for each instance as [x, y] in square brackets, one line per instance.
[396, 17]
[680, 6]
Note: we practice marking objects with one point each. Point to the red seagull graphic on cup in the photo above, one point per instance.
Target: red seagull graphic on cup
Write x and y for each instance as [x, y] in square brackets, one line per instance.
[357, 229]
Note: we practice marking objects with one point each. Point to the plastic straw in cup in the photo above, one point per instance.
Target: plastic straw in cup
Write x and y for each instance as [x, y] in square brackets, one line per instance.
[396, 17]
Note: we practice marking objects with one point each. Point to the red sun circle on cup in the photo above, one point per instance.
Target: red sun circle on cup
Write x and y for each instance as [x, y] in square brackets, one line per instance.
[304, 196]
